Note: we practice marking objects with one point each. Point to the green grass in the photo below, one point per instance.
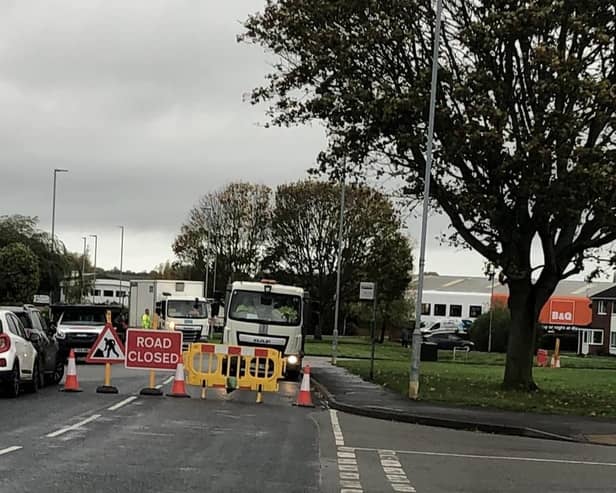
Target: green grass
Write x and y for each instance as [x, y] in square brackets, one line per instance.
[577, 391]
[356, 347]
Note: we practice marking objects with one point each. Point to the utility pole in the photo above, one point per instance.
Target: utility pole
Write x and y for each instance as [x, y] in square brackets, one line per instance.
[53, 220]
[492, 275]
[417, 339]
[83, 269]
[339, 262]
[121, 266]
[95, 251]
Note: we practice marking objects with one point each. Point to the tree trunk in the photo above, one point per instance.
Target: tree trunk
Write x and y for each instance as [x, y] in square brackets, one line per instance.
[521, 344]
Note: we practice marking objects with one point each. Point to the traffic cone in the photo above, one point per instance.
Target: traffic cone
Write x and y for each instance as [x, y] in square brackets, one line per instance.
[304, 398]
[70, 383]
[179, 388]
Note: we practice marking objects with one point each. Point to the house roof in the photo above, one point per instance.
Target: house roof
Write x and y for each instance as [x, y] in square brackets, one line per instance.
[607, 294]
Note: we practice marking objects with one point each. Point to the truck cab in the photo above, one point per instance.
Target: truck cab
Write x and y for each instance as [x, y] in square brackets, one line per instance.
[189, 315]
[267, 314]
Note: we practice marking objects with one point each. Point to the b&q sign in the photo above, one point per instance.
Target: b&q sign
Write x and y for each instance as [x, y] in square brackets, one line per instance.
[562, 312]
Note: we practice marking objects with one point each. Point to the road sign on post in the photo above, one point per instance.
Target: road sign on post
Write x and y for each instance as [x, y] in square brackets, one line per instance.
[153, 349]
[108, 348]
[366, 291]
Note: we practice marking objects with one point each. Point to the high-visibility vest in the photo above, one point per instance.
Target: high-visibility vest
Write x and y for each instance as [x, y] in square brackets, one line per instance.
[146, 323]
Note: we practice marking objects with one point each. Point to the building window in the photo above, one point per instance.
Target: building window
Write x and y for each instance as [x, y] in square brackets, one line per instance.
[474, 311]
[601, 307]
[179, 287]
[613, 307]
[108, 293]
[121, 294]
[96, 292]
[440, 310]
[455, 310]
[151, 289]
[613, 339]
[593, 337]
[425, 308]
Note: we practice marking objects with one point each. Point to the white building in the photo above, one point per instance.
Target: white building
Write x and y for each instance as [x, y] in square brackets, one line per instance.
[106, 291]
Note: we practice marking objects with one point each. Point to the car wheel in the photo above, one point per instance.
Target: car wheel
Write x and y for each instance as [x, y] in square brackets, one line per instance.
[58, 372]
[13, 385]
[33, 386]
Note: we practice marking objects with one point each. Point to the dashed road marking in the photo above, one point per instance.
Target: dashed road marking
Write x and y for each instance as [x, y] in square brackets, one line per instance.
[348, 472]
[73, 427]
[394, 472]
[8, 450]
[117, 406]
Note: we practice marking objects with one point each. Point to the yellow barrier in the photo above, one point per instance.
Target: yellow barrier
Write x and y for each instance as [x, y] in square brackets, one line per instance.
[233, 367]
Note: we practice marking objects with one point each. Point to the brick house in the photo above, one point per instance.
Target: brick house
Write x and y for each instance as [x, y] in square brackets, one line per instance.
[601, 338]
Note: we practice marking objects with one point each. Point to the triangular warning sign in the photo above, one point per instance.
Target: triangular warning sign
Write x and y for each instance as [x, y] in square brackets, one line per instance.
[108, 347]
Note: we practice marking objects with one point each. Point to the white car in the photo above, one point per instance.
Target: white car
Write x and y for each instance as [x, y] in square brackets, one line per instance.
[18, 358]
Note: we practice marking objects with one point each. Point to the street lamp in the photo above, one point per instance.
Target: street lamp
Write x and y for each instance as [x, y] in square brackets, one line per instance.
[417, 339]
[95, 251]
[53, 207]
[339, 263]
[83, 268]
[491, 276]
[207, 256]
[121, 266]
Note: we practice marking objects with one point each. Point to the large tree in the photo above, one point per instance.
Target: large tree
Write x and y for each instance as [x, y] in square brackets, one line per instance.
[524, 130]
[231, 225]
[19, 274]
[304, 243]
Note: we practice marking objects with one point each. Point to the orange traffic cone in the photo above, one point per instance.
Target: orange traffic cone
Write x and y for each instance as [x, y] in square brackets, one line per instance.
[179, 388]
[304, 398]
[70, 383]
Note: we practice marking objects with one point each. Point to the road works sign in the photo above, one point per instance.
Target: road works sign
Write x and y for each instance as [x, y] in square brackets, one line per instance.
[153, 349]
[108, 347]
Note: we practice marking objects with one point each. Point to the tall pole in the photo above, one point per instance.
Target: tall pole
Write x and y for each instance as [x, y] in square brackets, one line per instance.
[83, 269]
[214, 280]
[492, 275]
[53, 217]
[207, 254]
[339, 262]
[95, 252]
[121, 266]
[417, 339]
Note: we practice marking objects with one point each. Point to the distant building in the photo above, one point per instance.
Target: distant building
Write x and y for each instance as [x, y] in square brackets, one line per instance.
[105, 291]
[602, 336]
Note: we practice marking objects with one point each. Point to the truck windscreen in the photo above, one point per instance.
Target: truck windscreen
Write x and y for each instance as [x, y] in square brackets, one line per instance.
[186, 309]
[270, 308]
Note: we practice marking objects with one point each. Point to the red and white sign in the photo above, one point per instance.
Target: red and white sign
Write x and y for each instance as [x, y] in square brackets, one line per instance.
[562, 312]
[153, 349]
[108, 347]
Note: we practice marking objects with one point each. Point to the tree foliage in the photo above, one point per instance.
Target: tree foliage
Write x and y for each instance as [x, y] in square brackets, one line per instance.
[304, 243]
[231, 225]
[525, 121]
[501, 321]
[19, 274]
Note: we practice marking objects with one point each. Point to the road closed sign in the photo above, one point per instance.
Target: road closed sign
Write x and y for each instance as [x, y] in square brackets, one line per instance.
[153, 349]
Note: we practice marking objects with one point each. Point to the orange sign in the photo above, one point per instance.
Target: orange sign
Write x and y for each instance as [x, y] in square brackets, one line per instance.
[561, 312]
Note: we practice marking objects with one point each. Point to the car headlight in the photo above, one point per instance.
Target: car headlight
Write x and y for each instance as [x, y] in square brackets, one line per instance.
[172, 325]
[293, 360]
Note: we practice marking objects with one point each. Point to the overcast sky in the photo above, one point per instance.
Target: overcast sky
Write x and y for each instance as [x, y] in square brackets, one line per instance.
[143, 103]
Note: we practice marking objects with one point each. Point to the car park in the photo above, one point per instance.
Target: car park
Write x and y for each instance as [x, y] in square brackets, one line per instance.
[19, 367]
[51, 362]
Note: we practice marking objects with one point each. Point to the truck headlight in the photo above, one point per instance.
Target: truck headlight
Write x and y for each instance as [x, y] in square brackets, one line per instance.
[172, 325]
[292, 360]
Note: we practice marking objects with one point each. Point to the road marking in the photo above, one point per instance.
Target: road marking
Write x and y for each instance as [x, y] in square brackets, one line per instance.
[491, 457]
[169, 380]
[348, 472]
[73, 427]
[159, 386]
[117, 406]
[394, 472]
[8, 450]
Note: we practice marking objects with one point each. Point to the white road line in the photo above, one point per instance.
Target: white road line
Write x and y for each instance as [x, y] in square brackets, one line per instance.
[159, 386]
[73, 427]
[394, 472]
[117, 406]
[348, 472]
[169, 380]
[8, 450]
[493, 457]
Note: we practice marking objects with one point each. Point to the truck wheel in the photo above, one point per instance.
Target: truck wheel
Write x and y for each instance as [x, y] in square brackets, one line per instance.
[292, 375]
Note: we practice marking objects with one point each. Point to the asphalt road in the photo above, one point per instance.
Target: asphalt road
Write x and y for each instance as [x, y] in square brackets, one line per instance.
[57, 442]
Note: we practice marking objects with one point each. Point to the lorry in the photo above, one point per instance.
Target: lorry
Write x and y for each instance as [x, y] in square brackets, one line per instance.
[179, 304]
[268, 314]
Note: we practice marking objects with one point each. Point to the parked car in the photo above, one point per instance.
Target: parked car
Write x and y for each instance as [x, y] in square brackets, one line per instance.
[449, 340]
[51, 362]
[19, 365]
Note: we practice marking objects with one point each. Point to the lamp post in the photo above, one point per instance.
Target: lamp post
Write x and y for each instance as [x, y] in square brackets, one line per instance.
[121, 266]
[339, 262]
[83, 269]
[417, 339]
[95, 251]
[53, 207]
[207, 255]
[491, 275]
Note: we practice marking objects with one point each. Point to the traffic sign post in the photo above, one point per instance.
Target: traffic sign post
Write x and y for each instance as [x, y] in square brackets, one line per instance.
[367, 292]
[154, 350]
[108, 349]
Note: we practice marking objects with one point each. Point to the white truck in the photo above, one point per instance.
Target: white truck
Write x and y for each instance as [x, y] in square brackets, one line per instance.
[267, 314]
[180, 305]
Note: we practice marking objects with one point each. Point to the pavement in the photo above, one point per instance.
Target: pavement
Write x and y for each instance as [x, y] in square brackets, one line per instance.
[54, 442]
[347, 392]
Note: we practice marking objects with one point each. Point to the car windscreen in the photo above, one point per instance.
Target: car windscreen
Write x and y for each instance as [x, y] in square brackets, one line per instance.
[269, 308]
[83, 317]
[186, 309]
